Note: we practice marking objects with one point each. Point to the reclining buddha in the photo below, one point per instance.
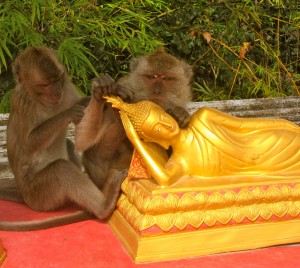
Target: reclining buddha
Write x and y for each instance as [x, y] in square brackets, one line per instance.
[214, 144]
[221, 184]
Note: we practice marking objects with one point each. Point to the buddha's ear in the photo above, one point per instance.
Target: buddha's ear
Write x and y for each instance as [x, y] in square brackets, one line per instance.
[144, 137]
[163, 144]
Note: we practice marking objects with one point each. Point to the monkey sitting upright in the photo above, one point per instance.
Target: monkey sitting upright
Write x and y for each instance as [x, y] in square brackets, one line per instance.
[46, 169]
[159, 77]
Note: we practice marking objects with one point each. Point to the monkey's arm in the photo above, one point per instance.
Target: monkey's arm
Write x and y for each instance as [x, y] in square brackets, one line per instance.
[88, 131]
[152, 156]
[43, 135]
[180, 114]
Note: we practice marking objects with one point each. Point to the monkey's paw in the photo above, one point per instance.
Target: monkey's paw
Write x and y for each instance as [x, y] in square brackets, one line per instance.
[181, 115]
[76, 113]
[121, 175]
[117, 178]
[102, 86]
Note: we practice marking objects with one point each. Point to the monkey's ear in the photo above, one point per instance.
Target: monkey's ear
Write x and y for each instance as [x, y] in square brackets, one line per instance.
[16, 72]
[134, 64]
[187, 69]
[159, 49]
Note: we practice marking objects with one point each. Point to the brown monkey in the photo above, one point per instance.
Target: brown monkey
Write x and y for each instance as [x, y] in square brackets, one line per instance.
[46, 169]
[163, 79]
[159, 77]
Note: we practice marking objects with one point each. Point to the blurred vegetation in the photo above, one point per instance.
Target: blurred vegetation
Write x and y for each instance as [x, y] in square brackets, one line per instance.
[238, 49]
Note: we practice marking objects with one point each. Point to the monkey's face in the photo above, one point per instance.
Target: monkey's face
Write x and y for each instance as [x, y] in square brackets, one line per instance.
[158, 85]
[40, 74]
[48, 90]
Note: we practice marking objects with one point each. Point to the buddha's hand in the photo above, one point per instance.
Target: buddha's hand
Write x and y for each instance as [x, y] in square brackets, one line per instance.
[129, 128]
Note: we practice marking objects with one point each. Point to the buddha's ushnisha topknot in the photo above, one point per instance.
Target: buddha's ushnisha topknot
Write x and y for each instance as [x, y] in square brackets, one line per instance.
[136, 112]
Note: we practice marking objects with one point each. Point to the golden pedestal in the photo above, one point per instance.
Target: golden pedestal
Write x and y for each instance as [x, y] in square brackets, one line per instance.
[2, 253]
[201, 216]
[156, 224]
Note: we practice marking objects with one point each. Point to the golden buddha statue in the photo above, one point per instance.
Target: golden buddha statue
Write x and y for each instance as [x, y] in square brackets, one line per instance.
[214, 143]
[233, 183]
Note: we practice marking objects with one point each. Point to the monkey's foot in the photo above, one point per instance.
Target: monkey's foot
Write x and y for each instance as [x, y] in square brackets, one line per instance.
[118, 177]
[111, 192]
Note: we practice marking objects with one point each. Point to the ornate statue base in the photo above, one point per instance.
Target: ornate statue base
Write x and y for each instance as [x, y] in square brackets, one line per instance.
[2, 253]
[201, 216]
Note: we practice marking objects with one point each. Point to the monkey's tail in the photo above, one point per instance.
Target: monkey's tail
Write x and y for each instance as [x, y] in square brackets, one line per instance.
[46, 224]
[9, 190]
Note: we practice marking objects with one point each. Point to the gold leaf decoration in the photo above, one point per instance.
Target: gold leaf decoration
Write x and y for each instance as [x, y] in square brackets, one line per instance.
[207, 208]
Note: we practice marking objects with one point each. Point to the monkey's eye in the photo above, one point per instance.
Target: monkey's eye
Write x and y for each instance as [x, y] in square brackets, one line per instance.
[43, 84]
[151, 76]
[167, 78]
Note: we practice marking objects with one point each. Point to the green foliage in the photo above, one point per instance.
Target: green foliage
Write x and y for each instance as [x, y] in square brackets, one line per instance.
[4, 104]
[238, 48]
[90, 37]
[76, 57]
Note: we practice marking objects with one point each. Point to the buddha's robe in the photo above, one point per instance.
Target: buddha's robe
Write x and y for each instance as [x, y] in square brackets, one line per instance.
[218, 144]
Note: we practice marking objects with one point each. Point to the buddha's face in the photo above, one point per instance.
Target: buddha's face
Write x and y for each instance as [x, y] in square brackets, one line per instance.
[159, 127]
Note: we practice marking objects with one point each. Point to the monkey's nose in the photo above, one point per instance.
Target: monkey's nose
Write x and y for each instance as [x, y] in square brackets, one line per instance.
[157, 90]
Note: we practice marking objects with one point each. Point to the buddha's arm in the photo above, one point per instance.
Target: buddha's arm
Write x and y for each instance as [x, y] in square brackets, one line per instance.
[154, 157]
[155, 165]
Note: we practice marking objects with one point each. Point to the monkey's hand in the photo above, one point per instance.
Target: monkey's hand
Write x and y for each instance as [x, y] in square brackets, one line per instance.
[104, 85]
[180, 114]
[129, 128]
[76, 113]
[84, 101]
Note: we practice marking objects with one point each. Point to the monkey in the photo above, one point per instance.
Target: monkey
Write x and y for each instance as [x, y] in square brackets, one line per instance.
[101, 138]
[163, 79]
[159, 77]
[46, 168]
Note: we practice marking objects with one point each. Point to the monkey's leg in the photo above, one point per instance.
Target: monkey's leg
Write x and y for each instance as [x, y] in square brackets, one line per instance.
[61, 182]
[112, 188]
[96, 166]
[108, 151]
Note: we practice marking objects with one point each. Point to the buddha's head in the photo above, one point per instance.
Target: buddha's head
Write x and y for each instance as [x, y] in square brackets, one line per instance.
[150, 121]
